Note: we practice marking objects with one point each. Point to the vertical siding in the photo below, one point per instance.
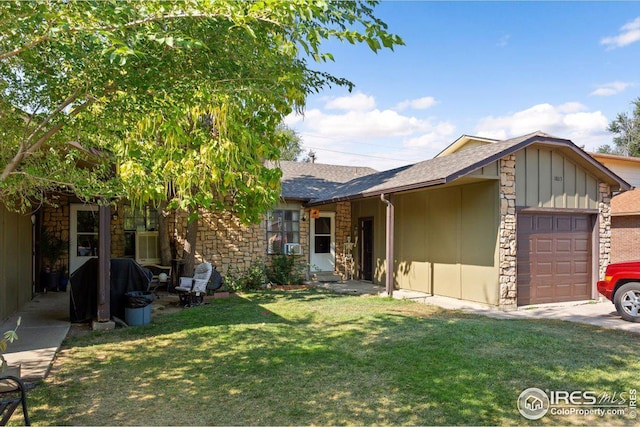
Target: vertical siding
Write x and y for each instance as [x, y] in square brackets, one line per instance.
[446, 240]
[545, 178]
[15, 262]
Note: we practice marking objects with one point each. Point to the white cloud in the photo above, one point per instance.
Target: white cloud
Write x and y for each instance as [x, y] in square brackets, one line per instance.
[358, 101]
[504, 40]
[571, 120]
[629, 33]
[417, 104]
[378, 138]
[612, 88]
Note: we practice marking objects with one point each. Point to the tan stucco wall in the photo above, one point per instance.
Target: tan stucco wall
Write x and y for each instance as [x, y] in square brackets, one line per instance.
[16, 276]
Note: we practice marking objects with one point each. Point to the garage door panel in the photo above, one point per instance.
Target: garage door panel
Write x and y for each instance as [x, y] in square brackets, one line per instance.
[564, 224]
[581, 267]
[554, 258]
[582, 224]
[543, 223]
[582, 245]
[563, 245]
[544, 246]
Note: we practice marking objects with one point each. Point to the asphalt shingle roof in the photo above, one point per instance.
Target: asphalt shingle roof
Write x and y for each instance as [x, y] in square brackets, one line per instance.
[439, 170]
[627, 203]
[320, 183]
[308, 181]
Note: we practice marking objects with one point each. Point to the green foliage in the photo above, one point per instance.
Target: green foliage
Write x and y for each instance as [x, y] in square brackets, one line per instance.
[8, 337]
[318, 358]
[184, 97]
[292, 145]
[251, 279]
[627, 134]
[286, 270]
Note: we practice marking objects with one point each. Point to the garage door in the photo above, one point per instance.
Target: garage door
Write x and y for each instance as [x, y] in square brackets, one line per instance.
[554, 258]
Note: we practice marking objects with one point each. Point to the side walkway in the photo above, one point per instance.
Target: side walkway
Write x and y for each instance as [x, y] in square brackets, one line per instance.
[44, 325]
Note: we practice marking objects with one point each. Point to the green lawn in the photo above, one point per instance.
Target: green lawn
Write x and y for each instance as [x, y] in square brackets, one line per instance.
[315, 358]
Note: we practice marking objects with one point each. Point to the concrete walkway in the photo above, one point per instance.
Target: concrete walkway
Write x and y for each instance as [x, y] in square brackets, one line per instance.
[45, 321]
[601, 313]
[44, 325]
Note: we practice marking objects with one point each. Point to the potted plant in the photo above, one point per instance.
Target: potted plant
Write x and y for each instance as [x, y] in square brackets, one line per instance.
[52, 249]
[6, 369]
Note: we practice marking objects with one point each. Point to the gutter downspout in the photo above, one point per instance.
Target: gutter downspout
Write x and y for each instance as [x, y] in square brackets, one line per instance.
[389, 244]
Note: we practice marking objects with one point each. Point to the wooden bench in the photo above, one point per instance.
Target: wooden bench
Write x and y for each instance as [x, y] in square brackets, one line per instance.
[12, 394]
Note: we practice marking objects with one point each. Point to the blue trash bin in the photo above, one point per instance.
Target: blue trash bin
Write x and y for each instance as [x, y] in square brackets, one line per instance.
[137, 309]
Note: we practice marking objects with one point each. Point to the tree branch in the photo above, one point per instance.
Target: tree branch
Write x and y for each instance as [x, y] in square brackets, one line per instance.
[26, 150]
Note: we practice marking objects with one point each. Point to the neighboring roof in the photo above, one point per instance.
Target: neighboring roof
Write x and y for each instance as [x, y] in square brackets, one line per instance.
[307, 181]
[448, 168]
[627, 203]
[460, 143]
[602, 156]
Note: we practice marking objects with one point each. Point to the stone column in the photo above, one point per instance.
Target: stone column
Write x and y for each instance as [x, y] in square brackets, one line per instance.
[508, 233]
[604, 222]
[343, 230]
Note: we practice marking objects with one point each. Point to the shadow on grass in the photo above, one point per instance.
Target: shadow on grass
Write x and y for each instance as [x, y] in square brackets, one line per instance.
[312, 357]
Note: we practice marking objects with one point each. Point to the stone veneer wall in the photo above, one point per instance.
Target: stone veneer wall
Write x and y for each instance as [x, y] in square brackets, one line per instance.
[604, 222]
[56, 220]
[508, 233]
[224, 241]
[343, 230]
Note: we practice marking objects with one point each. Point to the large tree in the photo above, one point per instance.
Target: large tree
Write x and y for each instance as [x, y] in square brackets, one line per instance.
[184, 97]
[626, 129]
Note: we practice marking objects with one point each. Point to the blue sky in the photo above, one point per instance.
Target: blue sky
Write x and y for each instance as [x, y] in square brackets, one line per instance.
[493, 69]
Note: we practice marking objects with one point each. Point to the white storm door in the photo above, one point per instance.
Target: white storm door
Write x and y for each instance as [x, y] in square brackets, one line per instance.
[83, 235]
[323, 242]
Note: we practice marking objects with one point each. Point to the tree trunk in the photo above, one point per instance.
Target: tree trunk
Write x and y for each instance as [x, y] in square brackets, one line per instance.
[189, 251]
[164, 234]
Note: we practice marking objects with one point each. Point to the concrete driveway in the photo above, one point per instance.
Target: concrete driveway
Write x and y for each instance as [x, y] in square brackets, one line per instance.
[597, 313]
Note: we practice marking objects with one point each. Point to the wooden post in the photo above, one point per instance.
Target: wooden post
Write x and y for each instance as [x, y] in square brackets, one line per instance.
[389, 244]
[104, 264]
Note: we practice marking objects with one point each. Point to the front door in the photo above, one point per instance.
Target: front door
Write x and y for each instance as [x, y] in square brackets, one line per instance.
[83, 235]
[366, 248]
[323, 245]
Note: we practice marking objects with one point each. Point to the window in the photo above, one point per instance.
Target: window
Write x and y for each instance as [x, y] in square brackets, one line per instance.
[283, 227]
[138, 219]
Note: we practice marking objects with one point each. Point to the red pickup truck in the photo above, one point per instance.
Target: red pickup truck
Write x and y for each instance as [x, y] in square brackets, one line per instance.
[621, 285]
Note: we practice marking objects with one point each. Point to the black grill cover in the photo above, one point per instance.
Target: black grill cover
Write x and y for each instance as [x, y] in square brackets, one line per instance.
[126, 276]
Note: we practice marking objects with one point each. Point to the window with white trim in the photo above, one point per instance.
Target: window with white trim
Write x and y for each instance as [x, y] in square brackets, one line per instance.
[138, 219]
[283, 227]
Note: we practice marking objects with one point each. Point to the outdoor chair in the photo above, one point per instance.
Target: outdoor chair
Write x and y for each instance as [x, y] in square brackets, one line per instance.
[193, 289]
[161, 277]
[12, 394]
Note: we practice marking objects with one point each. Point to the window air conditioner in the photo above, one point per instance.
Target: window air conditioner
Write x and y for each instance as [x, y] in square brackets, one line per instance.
[292, 249]
[147, 247]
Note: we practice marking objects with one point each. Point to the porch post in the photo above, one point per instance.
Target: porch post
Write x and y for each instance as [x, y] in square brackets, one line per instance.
[389, 244]
[104, 264]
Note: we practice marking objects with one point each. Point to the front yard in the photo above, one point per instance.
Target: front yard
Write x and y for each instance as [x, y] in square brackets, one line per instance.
[311, 357]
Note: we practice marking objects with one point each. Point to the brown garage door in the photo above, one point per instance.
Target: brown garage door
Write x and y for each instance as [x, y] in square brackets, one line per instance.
[554, 258]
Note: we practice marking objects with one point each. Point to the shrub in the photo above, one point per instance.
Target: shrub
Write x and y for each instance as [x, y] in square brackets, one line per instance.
[253, 278]
[286, 270]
